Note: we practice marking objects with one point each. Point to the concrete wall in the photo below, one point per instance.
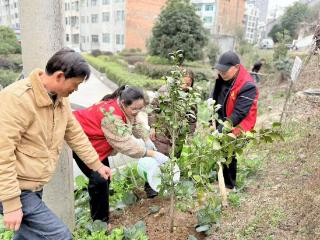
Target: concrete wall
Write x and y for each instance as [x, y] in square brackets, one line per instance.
[42, 34]
[140, 19]
[230, 16]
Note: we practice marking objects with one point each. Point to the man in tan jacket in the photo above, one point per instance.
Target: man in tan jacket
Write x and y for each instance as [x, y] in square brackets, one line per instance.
[35, 119]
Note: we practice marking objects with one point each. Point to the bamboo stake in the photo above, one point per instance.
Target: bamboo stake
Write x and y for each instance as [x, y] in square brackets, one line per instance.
[222, 186]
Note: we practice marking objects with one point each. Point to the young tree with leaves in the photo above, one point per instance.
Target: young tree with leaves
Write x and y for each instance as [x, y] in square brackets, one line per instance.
[178, 27]
[8, 41]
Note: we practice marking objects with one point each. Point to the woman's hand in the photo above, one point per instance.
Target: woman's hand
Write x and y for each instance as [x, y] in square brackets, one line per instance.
[152, 134]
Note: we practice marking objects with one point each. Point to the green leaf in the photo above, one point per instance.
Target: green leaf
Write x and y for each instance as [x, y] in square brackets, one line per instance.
[276, 125]
[216, 145]
[154, 209]
[129, 198]
[203, 228]
[197, 178]
[81, 182]
[191, 237]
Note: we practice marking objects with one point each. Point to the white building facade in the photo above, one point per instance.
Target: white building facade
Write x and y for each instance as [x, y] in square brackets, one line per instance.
[9, 13]
[207, 11]
[251, 23]
[89, 24]
[102, 25]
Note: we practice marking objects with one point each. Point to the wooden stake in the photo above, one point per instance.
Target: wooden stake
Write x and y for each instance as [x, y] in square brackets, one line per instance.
[222, 186]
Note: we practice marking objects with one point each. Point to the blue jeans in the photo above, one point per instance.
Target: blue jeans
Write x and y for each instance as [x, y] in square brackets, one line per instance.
[38, 221]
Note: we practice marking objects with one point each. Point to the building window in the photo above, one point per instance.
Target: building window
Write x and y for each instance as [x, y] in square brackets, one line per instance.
[95, 38]
[120, 16]
[75, 38]
[75, 6]
[83, 19]
[15, 5]
[119, 39]
[74, 21]
[66, 21]
[83, 39]
[105, 17]
[94, 2]
[67, 38]
[118, 1]
[105, 2]
[209, 7]
[94, 18]
[198, 7]
[207, 19]
[106, 37]
[16, 15]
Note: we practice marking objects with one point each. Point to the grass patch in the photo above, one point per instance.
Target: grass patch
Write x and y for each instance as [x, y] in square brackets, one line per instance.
[234, 200]
[7, 77]
[267, 218]
[119, 74]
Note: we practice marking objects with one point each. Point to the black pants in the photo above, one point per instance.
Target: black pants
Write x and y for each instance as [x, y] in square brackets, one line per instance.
[230, 173]
[98, 189]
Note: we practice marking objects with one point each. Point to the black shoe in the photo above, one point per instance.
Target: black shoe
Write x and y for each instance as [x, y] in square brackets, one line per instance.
[149, 191]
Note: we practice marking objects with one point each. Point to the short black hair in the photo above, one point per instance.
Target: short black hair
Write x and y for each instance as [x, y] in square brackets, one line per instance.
[71, 63]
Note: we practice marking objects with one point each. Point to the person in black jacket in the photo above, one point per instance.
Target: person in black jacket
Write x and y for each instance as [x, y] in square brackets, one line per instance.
[256, 68]
[237, 94]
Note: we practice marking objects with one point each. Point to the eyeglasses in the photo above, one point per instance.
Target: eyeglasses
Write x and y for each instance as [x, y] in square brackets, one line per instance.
[136, 110]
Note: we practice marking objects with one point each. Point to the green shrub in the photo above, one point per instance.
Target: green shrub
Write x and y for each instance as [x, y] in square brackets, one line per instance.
[158, 71]
[7, 77]
[284, 66]
[157, 60]
[132, 52]
[8, 41]
[212, 53]
[120, 74]
[133, 59]
[96, 52]
[151, 70]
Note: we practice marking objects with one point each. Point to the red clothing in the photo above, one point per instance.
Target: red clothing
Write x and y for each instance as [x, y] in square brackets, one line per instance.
[249, 121]
[90, 119]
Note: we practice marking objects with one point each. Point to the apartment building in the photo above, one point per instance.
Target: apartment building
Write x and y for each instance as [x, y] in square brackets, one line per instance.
[251, 23]
[112, 25]
[9, 13]
[207, 11]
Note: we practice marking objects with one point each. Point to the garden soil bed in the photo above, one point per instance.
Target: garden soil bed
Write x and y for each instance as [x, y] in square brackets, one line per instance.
[158, 224]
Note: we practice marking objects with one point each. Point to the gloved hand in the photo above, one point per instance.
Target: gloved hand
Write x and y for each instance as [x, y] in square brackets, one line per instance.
[150, 145]
[160, 158]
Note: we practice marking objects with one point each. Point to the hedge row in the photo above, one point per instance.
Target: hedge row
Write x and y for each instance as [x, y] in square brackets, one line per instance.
[157, 71]
[121, 75]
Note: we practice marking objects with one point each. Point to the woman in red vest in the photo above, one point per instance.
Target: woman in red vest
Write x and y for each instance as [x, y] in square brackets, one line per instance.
[112, 125]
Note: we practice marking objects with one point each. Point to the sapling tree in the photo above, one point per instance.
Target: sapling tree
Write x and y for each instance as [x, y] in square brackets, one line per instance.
[175, 108]
[203, 153]
[203, 156]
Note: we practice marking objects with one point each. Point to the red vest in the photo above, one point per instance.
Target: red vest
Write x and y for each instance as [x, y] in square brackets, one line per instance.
[249, 121]
[90, 119]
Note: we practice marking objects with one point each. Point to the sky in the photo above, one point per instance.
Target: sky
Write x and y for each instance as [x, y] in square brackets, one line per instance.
[281, 3]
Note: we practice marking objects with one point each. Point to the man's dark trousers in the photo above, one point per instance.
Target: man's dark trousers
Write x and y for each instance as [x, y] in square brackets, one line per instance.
[39, 222]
